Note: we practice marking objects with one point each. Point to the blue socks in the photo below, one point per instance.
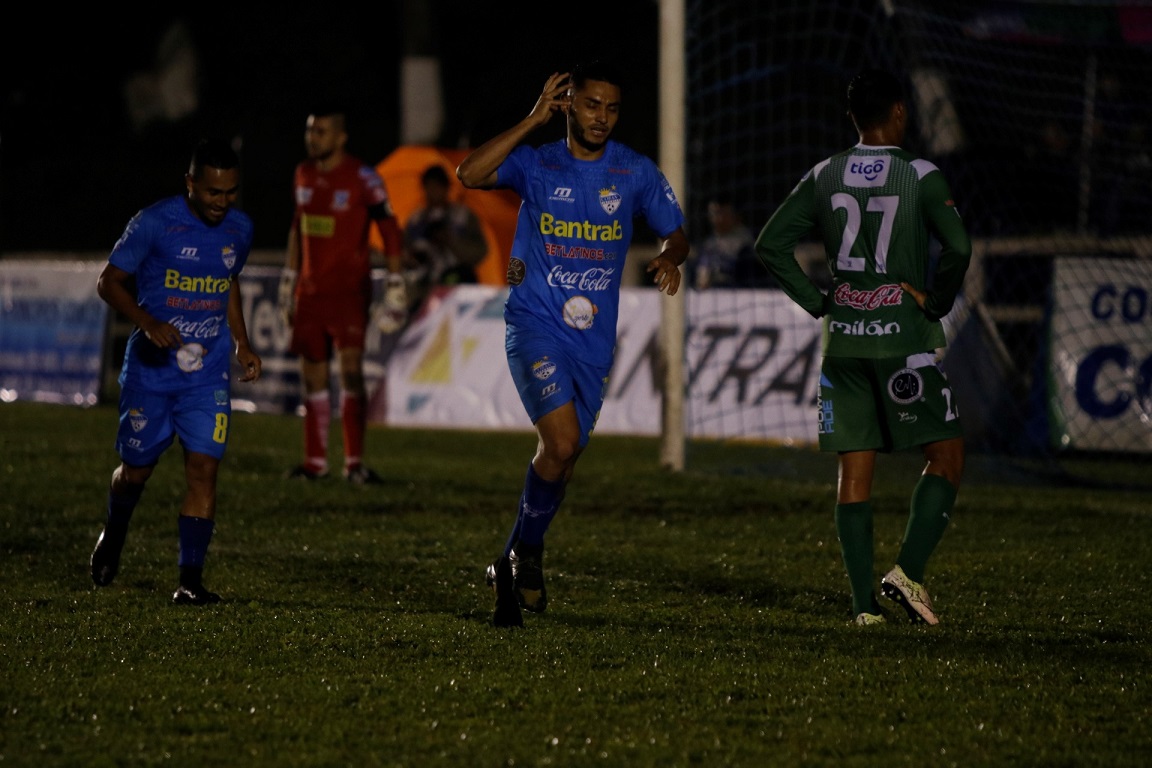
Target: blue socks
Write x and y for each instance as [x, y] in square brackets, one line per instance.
[195, 535]
[539, 503]
[119, 512]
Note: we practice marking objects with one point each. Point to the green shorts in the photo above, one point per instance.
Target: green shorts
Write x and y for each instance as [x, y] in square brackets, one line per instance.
[887, 404]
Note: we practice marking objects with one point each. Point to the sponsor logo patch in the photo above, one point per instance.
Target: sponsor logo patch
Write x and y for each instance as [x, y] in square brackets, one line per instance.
[906, 386]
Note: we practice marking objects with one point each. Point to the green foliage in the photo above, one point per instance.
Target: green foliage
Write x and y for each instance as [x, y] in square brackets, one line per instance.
[695, 618]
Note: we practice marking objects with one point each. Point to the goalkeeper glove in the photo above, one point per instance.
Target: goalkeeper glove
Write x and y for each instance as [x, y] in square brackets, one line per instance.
[393, 310]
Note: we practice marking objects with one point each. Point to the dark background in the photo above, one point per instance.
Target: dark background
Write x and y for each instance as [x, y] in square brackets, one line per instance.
[75, 166]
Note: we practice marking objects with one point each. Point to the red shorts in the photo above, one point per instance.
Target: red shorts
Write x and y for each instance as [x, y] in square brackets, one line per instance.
[323, 323]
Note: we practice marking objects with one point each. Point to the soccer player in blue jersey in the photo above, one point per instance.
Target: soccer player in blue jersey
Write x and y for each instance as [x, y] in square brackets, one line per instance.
[175, 274]
[579, 196]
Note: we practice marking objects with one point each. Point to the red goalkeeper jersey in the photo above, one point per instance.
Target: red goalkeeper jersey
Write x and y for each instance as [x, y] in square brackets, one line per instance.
[332, 218]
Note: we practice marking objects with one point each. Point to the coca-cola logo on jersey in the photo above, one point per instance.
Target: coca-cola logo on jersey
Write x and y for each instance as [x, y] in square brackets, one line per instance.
[595, 279]
[884, 296]
[208, 328]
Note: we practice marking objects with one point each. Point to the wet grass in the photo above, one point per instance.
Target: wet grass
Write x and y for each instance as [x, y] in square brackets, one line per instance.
[695, 618]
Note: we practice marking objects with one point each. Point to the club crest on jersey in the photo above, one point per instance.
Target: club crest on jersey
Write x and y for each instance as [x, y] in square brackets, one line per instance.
[905, 386]
[137, 419]
[543, 368]
[228, 256]
[609, 200]
[866, 171]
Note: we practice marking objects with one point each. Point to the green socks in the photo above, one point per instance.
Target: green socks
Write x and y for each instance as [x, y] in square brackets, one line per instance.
[854, 529]
[932, 502]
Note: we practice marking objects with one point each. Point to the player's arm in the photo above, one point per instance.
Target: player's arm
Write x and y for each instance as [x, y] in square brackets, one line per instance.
[776, 246]
[955, 245]
[250, 362]
[113, 287]
[478, 170]
[286, 295]
[390, 235]
[665, 268]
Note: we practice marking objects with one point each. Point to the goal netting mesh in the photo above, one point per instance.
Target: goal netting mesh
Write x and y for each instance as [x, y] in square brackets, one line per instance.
[1038, 114]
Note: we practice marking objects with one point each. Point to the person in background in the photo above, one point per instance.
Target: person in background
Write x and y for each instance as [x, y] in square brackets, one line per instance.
[326, 287]
[877, 207]
[445, 239]
[174, 274]
[727, 257]
[580, 196]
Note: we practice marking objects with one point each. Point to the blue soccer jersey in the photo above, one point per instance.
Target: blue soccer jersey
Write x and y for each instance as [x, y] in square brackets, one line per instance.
[572, 236]
[184, 271]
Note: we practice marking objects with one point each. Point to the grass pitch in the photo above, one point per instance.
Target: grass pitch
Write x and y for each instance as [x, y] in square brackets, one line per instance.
[695, 618]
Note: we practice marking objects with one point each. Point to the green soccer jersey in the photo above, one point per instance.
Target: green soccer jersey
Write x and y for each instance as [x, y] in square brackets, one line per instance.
[876, 210]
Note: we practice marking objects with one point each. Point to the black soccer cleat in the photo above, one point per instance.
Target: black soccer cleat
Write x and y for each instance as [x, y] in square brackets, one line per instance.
[304, 472]
[196, 595]
[507, 611]
[528, 576]
[105, 563]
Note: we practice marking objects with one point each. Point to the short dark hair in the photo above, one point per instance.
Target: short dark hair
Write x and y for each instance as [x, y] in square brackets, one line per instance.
[871, 96]
[332, 109]
[596, 69]
[214, 153]
[434, 172]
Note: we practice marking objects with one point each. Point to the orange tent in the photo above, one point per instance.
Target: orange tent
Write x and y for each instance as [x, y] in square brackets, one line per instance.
[496, 209]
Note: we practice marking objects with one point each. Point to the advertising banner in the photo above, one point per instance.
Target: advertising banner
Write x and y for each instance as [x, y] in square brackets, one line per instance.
[52, 327]
[1101, 354]
[744, 367]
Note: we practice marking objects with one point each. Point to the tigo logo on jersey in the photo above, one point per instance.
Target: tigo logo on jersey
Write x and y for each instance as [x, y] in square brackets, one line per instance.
[866, 171]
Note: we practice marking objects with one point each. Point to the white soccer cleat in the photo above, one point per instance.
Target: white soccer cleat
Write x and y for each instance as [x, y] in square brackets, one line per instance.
[912, 597]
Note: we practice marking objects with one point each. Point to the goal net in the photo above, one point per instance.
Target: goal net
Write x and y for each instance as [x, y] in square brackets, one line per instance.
[1038, 114]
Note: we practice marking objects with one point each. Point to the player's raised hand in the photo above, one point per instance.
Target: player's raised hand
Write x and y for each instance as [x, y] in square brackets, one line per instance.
[554, 98]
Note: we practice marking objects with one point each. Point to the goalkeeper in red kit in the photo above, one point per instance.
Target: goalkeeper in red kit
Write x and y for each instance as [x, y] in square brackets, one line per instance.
[326, 288]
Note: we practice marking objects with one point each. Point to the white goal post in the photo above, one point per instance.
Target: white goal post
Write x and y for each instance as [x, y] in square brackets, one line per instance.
[672, 162]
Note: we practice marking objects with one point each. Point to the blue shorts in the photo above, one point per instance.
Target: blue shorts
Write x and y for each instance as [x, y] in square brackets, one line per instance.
[547, 377]
[150, 421]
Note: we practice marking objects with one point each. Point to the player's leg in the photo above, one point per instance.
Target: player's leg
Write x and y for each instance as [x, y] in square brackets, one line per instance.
[203, 420]
[921, 411]
[145, 432]
[354, 415]
[848, 425]
[311, 343]
[349, 325]
[853, 518]
[931, 506]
